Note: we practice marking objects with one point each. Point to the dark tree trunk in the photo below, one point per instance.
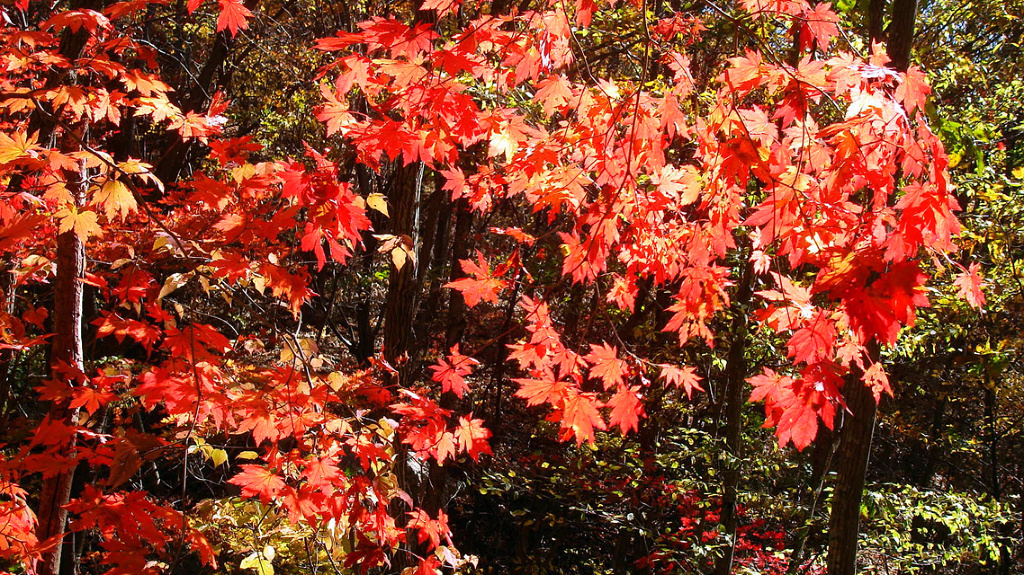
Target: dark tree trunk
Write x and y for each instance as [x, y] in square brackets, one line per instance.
[460, 251]
[876, 20]
[901, 33]
[824, 449]
[855, 436]
[735, 378]
[400, 304]
[854, 452]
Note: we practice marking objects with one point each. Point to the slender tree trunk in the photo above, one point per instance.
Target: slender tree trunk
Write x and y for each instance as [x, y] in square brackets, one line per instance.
[7, 288]
[876, 20]
[854, 453]
[824, 449]
[855, 449]
[735, 377]
[66, 351]
[901, 33]
[858, 428]
[439, 251]
[400, 305]
[1003, 562]
[66, 344]
[460, 251]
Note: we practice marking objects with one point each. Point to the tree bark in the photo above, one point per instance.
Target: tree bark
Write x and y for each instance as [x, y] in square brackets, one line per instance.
[854, 453]
[901, 33]
[66, 354]
[400, 303]
[876, 20]
[460, 251]
[735, 377]
[858, 428]
[7, 288]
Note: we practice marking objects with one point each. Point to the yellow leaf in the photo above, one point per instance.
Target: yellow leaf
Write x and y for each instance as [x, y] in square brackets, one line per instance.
[259, 563]
[115, 198]
[377, 202]
[243, 172]
[336, 380]
[144, 170]
[20, 146]
[287, 353]
[398, 256]
[83, 223]
[502, 144]
[173, 282]
[219, 457]
[247, 455]
[58, 193]
[308, 346]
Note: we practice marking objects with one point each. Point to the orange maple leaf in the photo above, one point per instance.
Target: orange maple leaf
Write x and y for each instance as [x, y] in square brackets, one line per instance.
[116, 199]
[482, 286]
[969, 286]
[83, 223]
[626, 409]
[606, 365]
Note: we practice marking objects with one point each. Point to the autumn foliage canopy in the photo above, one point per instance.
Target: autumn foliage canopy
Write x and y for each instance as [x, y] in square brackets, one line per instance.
[797, 162]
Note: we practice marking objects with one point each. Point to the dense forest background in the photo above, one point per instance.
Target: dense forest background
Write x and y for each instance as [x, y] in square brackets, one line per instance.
[292, 286]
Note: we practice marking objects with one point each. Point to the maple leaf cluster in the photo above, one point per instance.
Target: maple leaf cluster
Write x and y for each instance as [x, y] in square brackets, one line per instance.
[821, 172]
[847, 206]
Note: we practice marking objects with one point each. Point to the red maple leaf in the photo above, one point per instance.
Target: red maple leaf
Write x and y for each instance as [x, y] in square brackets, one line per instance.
[432, 530]
[472, 436]
[258, 481]
[450, 372]
[814, 341]
[441, 6]
[820, 25]
[685, 377]
[626, 409]
[482, 286]
[233, 16]
[91, 398]
[580, 417]
[969, 283]
[335, 113]
[544, 387]
[321, 473]
[553, 93]
[606, 365]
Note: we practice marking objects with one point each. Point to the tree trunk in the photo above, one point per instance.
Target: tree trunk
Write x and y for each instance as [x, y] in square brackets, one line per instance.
[876, 20]
[855, 436]
[735, 377]
[7, 288]
[400, 303]
[824, 449]
[460, 251]
[901, 33]
[854, 452]
[66, 351]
